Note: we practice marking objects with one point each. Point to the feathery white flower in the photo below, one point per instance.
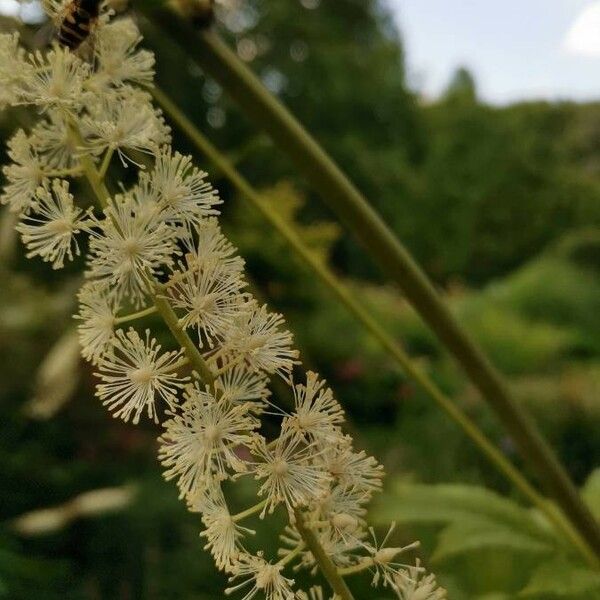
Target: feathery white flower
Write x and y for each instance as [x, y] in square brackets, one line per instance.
[118, 59]
[182, 192]
[208, 293]
[129, 250]
[50, 138]
[134, 374]
[207, 243]
[318, 414]
[125, 121]
[49, 230]
[383, 559]
[264, 578]
[256, 337]
[56, 80]
[239, 386]
[200, 443]
[342, 500]
[24, 175]
[97, 311]
[13, 69]
[222, 533]
[414, 584]
[355, 471]
[290, 475]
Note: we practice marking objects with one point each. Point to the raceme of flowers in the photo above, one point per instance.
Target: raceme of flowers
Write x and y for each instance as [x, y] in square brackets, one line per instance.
[156, 247]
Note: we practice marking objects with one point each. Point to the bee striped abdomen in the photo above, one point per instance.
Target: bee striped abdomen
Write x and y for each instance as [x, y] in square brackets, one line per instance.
[77, 23]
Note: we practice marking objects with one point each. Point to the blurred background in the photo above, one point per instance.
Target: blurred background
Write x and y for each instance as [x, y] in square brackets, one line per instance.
[474, 129]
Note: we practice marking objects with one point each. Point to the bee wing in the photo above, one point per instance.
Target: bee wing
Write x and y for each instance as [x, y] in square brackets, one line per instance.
[45, 34]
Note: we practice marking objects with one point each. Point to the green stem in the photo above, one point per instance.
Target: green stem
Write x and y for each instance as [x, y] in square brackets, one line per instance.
[365, 564]
[75, 171]
[348, 299]
[170, 318]
[326, 565]
[135, 316]
[354, 211]
[288, 558]
[182, 362]
[106, 163]
[249, 512]
[89, 169]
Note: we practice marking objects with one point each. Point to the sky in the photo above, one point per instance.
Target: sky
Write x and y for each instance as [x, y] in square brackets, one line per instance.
[517, 49]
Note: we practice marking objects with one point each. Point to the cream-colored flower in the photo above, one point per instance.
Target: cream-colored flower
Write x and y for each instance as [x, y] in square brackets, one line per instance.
[49, 229]
[355, 471]
[24, 175]
[118, 59]
[222, 533]
[55, 81]
[200, 443]
[239, 386]
[13, 69]
[263, 578]
[384, 566]
[208, 294]
[343, 500]
[125, 121]
[129, 250]
[318, 414]
[291, 476]
[181, 190]
[256, 336]
[97, 313]
[50, 138]
[134, 374]
[414, 584]
[207, 243]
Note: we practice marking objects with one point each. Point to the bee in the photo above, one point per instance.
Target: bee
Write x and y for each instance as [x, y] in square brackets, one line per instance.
[199, 12]
[77, 22]
[204, 13]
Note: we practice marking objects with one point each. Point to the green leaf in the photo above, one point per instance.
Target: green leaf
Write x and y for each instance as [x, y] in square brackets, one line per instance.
[462, 537]
[445, 504]
[562, 579]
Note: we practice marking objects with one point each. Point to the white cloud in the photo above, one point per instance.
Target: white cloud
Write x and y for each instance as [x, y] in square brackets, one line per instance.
[583, 38]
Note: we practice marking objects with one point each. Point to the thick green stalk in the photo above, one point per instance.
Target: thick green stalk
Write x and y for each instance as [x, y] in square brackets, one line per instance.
[349, 300]
[328, 569]
[354, 211]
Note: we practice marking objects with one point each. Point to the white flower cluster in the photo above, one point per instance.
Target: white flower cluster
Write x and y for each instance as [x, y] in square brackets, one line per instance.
[158, 244]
